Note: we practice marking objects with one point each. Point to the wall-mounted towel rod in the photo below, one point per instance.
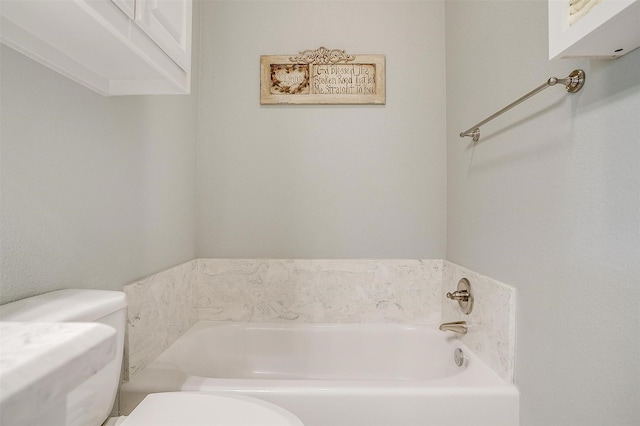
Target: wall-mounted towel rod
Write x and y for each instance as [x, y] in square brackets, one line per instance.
[573, 83]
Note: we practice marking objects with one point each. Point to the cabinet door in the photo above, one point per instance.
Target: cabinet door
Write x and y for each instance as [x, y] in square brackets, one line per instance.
[127, 6]
[168, 23]
[609, 30]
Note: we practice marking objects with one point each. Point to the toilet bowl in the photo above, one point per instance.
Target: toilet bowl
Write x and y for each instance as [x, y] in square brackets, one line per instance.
[200, 409]
[91, 402]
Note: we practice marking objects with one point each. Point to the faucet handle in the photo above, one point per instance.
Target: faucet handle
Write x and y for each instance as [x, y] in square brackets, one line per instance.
[463, 295]
[459, 295]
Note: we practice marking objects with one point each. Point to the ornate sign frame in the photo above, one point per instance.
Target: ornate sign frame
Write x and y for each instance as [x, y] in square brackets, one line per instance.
[322, 76]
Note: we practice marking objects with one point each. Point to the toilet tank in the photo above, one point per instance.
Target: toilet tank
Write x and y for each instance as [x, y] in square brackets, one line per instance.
[90, 404]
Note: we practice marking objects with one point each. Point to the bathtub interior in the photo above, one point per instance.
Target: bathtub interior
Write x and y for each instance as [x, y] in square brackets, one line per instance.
[313, 352]
[332, 375]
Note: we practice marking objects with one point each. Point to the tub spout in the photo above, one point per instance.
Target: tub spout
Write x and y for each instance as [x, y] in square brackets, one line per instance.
[455, 326]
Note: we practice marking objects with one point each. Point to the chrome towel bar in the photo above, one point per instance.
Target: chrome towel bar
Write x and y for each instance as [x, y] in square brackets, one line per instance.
[573, 84]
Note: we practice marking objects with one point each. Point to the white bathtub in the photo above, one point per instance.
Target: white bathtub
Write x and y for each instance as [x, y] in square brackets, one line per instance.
[335, 374]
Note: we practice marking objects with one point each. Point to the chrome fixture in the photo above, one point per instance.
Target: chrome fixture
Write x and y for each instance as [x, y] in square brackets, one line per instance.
[458, 357]
[573, 84]
[463, 296]
[455, 326]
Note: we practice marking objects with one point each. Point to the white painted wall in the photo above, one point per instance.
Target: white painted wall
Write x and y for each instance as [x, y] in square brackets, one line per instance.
[95, 192]
[321, 181]
[549, 202]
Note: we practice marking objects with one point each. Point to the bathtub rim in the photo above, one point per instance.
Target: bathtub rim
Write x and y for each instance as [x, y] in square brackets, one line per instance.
[475, 367]
[478, 380]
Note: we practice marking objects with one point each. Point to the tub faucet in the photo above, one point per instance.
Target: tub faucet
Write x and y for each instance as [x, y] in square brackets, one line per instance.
[455, 326]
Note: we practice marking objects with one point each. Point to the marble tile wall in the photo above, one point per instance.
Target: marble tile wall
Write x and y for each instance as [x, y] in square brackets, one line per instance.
[161, 308]
[492, 323]
[347, 290]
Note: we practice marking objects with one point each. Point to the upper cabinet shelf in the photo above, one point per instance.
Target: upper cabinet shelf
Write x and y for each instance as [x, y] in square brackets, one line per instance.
[601, 29]
[114, 47]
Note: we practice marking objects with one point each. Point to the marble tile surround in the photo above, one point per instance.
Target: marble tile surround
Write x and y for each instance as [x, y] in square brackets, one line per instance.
[269, 290]
[491, 325]
[162, 307]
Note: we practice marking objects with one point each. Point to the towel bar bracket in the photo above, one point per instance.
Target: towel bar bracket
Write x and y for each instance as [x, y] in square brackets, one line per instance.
[573, 83]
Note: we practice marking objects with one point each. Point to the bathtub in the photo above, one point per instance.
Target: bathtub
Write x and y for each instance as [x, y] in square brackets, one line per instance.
[335, 374]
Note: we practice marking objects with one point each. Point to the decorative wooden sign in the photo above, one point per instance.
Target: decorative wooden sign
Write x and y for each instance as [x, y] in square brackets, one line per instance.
[322, 76]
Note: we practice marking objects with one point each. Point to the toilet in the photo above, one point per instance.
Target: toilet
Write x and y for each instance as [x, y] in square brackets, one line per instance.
[91, 403]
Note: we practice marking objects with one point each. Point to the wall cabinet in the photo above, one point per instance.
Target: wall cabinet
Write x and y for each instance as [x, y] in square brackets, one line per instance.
[165, 22]
[127, 6]
[611, 28]
[114, 47]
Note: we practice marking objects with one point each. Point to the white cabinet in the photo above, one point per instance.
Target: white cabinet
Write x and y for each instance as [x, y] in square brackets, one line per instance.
[610, 28]
[127, 6]
[106, 45]
[168, 23]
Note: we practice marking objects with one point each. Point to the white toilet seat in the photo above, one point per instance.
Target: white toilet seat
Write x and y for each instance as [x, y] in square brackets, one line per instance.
[207, 409]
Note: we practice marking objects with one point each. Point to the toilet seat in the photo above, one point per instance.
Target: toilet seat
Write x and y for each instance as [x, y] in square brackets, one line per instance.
[207, 409]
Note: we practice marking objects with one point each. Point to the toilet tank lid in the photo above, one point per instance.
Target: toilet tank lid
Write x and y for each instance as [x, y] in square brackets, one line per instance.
[65, 306]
